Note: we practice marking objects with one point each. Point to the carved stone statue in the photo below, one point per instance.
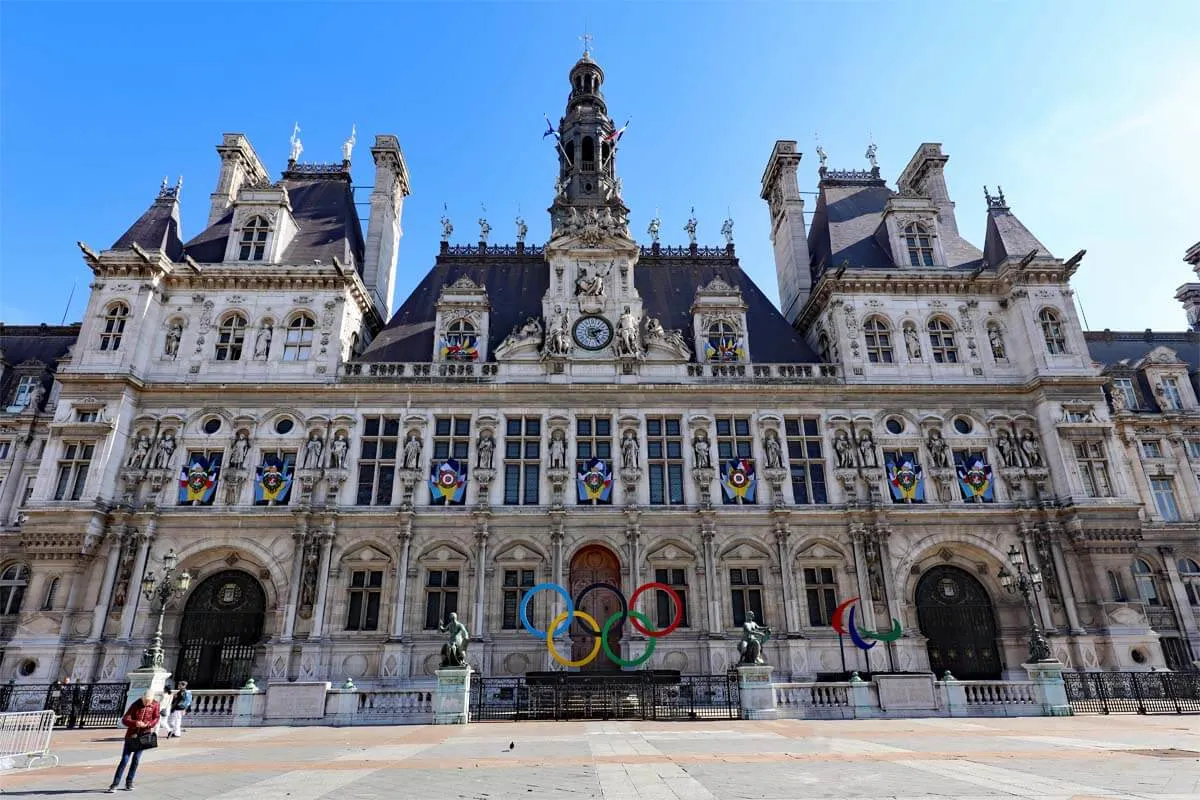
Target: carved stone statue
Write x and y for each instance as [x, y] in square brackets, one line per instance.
[522, 229]
[727, 230]
[654, 330]
[589, 285]
[844, 450]
[337, 452]
[560, 187]
[348, 145]
[655, 227]
[821, 154]
[558, 450]
[997, 342]
[629, 451]
[871, 151]
[166, 449]
[690, 227]
[700, 451]
[676, 340]
[1118, 399]
[866, 449]
[486, 449]
[1031, 449]
[262, 343]
[412, 451]
[297, 148]
[239, 450]
[484, 229]
[754, 636]
[558, 341]
[627, 334]
[939, 451]
[174, 334]
[312, 451]
[454, 651]
[141, 451]
[912, 343]
[1007, 448]
[447, 228]
[774, 450]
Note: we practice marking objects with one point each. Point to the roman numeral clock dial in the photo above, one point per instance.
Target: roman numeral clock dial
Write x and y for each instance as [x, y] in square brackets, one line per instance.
[593, 333]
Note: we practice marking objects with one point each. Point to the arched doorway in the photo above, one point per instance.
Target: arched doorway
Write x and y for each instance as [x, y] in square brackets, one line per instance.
[955, 614]
[222, 624]
[591, 565]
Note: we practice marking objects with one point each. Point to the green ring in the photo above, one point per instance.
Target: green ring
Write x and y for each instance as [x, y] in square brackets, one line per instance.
[636, 662]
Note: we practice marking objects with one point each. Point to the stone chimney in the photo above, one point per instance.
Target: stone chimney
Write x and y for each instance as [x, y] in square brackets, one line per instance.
[383, 229]
[782, 192]
[239, 165]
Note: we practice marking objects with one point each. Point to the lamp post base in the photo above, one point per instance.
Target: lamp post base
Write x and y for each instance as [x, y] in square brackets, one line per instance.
[143, 679]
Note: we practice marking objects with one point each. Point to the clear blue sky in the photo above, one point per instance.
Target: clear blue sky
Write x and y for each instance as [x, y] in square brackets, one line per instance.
[1086, 114]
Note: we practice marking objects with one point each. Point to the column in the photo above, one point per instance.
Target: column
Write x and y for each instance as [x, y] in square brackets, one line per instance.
[481, 540]
[633, 539]
[556, 542]
[104, 601]
[1064, 584]
[789, 590]
[1183, 609]
[885, 567]
[133, 595]
[710, 575]
[862, 578]
[8, 492]
[405, 536]
[318, 629]
[293, 600]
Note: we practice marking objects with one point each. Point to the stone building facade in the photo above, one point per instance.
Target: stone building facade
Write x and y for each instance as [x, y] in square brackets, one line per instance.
[339, 476]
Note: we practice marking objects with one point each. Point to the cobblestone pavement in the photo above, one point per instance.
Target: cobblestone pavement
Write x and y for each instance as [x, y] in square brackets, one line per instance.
[1079, 758]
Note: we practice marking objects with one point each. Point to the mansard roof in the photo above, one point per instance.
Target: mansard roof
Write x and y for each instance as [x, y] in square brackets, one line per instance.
[23, 345]
[323, 207]
[1126, 348]
[517, 279]
[158, 228]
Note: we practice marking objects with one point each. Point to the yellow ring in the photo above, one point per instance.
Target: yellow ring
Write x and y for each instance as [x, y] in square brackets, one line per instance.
[590, 657]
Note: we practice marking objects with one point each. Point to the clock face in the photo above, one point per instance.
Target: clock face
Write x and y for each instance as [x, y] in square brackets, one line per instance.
[593, 333]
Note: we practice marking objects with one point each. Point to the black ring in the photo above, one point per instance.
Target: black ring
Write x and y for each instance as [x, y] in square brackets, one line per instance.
[620, 596]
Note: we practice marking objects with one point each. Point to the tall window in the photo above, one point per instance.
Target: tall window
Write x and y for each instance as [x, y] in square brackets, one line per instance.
[1189, 574]
[460, 336]
[1117, 587]
[805, 460]
[1151, 448]
[441, 596]
[746, 587]
[377, 463]
[73, 470]
[1192, 446]
[821, 591]
[733, 438]
[517, 583]
[1143, 579]
[664, 608]
[285, 461]
[297, 342]
[878, 336]
[522, 460]
[723, 342]
[1163, 490]
[919, 244]
[967, 459]
[24, 392]
[1052, 331]
[941, 341]
[254, 240]
[231, 335]
[211, 458]
[1170, 389]
[593, 439]
[13, 582]
[115, 317]
[1093, 468]
[5, 446]
[366, 589]
[664, 457]
[51, 592]
[1124, 386]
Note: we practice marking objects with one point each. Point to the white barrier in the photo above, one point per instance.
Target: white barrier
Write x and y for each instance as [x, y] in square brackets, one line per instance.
[25, 735]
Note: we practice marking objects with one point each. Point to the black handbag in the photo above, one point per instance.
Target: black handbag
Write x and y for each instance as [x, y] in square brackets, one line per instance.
[146, 741]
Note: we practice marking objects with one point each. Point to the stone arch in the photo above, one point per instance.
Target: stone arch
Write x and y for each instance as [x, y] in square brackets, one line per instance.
[592, 565]
[956, 614]
[221, 630]
[948, 547]
[203, 559]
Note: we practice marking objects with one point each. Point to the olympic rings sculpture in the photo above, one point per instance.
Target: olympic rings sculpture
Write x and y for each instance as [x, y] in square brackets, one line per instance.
[562, 623]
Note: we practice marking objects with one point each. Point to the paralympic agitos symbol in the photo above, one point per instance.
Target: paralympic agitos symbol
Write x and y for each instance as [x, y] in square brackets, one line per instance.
[844, 623]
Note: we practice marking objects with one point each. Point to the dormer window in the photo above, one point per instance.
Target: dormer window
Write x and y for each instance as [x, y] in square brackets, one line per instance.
[297, 343]
[254, 240]
[920, 245]
[724, 344]
[230, 337]
[24, 393]
[1052, 331]
[460, 341]
[1124, 386]
[1170, 391]
[115, 317]
[941, 341]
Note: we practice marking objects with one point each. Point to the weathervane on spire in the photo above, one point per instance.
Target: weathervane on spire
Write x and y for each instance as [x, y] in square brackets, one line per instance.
[587, 43]
[297, 148]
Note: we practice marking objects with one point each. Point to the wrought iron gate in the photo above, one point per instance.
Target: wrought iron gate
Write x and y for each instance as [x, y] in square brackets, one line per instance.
[222, 626]
[1133, 692]
[75, 705]
[955, 615]
[633, 695]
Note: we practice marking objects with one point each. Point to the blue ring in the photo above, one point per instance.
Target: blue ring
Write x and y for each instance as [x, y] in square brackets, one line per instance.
[554, 587]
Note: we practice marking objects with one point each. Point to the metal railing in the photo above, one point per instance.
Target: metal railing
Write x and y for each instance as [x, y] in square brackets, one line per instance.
[647, 696]
[75, 705]
[25, 737]
[1133, 692]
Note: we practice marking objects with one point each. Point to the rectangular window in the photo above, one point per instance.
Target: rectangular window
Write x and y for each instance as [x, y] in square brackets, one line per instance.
[87, 416]
[517, 583]
[27, 495]
[73, 470]
[268, 491]
[980, 483]
[522, 460]
[211, 458]
[5, 446]
[1074, 416]
[733, 438]
[24, 392]
[745, 586]
[377, 461]
[593, 439]
[664, 460]
[1151, 448]
[805, 460]
[905, 485]
[366, 590]
[441, 597]
[1125, 387]
[821, 591]
[451, 439]
[1116, 587]
[1164, 498]
[664, 608]
[1093, 468]
[1170, 387]
[1147, 589]
[1193, 448]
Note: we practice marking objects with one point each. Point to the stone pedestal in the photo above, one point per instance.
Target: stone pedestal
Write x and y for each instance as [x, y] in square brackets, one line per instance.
[906, 693]
[1051, 690]
[153, 679]
[756, 691]
[451, 703]
[299, 701]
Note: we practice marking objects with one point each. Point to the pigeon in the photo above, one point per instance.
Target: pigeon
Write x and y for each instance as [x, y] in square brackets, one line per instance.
[511, 745]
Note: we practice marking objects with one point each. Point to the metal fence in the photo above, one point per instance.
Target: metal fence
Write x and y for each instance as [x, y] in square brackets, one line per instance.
[1133, 692]
[646, 696]
[75, 705]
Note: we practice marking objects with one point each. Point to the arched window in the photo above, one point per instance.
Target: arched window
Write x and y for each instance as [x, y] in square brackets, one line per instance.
[297, 343]
[920, 245]
[51, 590]
[606, 157]
[941, 341]
[724, 344]
[571, 153]
[254, 240]
[879, 340]
[1143, 578]
[13, 582]
[588, 153]
[230, 337]
[1189, 573]
[115, 317]
[1052, 331]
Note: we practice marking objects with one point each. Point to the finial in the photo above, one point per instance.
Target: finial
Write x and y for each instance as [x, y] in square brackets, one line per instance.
[348, 145]
[297, 148]
[162, 187]
[587, 43]
[447, 226]
[522, 228]
[179, 186]
[994, 200]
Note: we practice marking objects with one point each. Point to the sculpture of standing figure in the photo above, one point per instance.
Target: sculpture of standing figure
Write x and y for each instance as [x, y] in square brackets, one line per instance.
[312, 451]
[727, 230]
[774, 450]
[844, 450]
[297, 148]
[627, 334]
[629, 451]
[337, 452]
[262, 342]
[454, 651]
[866, 448]
[447, 227]
[871, 150]
[486, 448]
[821, 155]
[938, 449]
[560, 188]
[166, 449]
[997, 341]
[703, 457]
[558, 451]
[1119, 401]
[655, 227]
[484, 229]
[754, 636]
[912, 343]
[141, 451]
[558, 341]
[690, 227]
[239, 450]
[174, 334]
[1008, 450]
[412, 451]
[348, 145]
[522, 229]
[1031, 449]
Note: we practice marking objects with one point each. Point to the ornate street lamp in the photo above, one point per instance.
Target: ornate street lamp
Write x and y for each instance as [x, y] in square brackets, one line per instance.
[163, 592]
[1026, 583]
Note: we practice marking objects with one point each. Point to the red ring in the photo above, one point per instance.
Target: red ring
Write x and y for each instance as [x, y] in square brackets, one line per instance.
[678, 610]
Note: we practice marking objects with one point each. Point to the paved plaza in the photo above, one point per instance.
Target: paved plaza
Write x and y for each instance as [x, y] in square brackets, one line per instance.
[1078, 758]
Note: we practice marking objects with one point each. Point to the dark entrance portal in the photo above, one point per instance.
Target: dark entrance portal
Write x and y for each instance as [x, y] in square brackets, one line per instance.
[955, 615]
[222, 624]
[591, 566]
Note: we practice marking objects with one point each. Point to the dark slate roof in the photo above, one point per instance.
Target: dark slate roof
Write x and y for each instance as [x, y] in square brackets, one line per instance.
[325, 214]
[157, 229]
[1126, 348]
[516, 284]
[1007, 237]
[42, 343]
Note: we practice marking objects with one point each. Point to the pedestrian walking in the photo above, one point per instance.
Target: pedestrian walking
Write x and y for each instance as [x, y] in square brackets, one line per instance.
[163, 728]
[181, 703]
[139, 721]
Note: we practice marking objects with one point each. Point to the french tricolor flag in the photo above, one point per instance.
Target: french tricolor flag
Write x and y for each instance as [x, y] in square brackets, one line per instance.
[616, 135]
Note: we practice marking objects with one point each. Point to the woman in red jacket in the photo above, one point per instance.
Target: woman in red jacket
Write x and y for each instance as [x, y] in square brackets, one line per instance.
[142, 717]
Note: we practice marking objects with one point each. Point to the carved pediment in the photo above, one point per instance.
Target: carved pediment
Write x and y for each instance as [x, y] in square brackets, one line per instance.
[671, 551]
[1162, 355]
[367, 553]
